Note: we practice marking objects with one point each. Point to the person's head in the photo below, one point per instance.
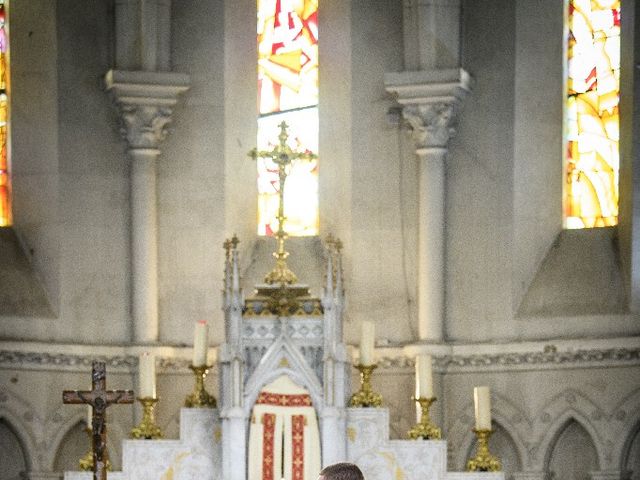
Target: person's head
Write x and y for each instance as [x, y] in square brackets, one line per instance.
[341, 471]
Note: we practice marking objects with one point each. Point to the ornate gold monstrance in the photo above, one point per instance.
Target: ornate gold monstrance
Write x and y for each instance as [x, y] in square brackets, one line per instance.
[281, 291]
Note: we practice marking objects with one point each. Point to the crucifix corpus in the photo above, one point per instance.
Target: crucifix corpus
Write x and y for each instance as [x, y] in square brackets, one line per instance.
[99, 398]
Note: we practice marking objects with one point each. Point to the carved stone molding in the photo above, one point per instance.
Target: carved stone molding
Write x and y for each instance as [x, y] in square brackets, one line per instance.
[144, 126]
[145, 101]
[548, 359]
[433, 124]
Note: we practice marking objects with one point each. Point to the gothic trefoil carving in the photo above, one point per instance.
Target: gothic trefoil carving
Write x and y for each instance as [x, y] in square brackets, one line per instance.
[144, 126]
[432, 125]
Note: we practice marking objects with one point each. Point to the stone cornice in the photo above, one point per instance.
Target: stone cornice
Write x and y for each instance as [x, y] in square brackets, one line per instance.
[447, 358]
[145, 101]
[434, 86]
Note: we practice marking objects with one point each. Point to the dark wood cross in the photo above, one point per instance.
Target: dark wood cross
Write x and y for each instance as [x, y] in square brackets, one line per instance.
[99, 398]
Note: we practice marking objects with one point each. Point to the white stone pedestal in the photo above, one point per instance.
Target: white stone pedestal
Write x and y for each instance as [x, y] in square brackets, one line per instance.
[368, 445]
[196, 456]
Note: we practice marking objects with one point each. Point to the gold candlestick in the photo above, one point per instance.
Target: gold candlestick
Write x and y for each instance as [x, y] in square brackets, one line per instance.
[365, 397]
[86, 462]
[200, 398]
[147, 429]
[483, 461]
[425, 429]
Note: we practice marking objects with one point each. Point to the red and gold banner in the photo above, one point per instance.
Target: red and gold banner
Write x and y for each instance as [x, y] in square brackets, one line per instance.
[297, 437]
[268, 425]
[282, 400]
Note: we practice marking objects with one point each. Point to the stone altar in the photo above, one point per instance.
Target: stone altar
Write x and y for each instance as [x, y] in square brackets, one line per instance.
[283, 330]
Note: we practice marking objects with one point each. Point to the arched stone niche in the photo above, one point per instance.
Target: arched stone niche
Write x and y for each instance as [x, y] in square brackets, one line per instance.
[631, 456]
[73, 446]
[13, 460]
[572, 454]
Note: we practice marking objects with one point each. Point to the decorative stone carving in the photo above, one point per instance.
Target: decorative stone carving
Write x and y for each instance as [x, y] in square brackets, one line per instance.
[144, 126]
[432, 124]
[145, 101]
[430, 102]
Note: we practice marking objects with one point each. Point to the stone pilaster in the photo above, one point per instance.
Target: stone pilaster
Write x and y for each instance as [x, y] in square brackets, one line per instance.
[145, 101]
[431, 103]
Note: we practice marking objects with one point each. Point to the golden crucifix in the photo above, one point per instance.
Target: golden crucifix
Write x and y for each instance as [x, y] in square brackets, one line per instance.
[282, 155]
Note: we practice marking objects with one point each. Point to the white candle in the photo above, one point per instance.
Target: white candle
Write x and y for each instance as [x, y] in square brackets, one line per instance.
[89, 416]
[424, 376]
[200, 343]
[147, 375]
[482, 401]
[367, 342]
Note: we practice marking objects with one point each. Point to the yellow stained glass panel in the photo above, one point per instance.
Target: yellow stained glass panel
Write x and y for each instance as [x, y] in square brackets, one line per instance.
[5, 186]
[592, 114]
[288, 90]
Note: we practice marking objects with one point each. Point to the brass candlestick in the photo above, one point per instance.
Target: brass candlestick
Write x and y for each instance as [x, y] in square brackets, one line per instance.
[483, 461]
[200, 398]
[365, 397]
[86, 462]
[147, 429]
[425, 429]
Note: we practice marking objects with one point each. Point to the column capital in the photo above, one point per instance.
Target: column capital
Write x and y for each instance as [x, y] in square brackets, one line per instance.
[431, 102]
[145, 101]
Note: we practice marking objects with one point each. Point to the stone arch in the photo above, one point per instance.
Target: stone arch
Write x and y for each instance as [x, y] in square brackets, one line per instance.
[16, 412]
[74, 443]
[627, 416]
[630, 458]
[283, 358]
[554, 417]
[58, 429]
[14, 441]
[568, 424]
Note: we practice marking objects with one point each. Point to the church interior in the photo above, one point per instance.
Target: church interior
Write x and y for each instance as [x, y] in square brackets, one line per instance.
[457, 195]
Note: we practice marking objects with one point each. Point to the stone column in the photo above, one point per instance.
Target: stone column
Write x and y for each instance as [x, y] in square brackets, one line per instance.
[430, 104]
[145, 101]
[431, 34]
[430, 91]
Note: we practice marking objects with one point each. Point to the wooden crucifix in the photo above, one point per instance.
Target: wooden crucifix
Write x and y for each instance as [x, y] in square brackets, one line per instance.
[99, 398]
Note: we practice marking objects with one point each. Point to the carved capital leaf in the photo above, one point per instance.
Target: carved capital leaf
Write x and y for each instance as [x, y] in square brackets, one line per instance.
[431, 124]
[144, 126]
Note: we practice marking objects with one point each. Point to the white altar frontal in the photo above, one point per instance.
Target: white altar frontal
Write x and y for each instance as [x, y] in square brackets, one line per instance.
[283, 408]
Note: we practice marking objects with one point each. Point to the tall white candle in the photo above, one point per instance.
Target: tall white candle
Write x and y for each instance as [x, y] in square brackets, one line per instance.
[367, 342]
[482, 402]
[424, 376]
[147, 375]
[89, 416]
[200, 343]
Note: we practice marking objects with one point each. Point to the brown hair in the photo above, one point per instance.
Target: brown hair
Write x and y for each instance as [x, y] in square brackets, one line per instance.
[342, 471]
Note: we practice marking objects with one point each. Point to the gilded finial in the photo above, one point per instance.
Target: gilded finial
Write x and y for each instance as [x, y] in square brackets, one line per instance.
[227, 248]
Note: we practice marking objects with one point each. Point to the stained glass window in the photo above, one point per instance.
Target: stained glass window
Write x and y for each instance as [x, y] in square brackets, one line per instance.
[592, 113]
[5, 187]
[288, 90]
